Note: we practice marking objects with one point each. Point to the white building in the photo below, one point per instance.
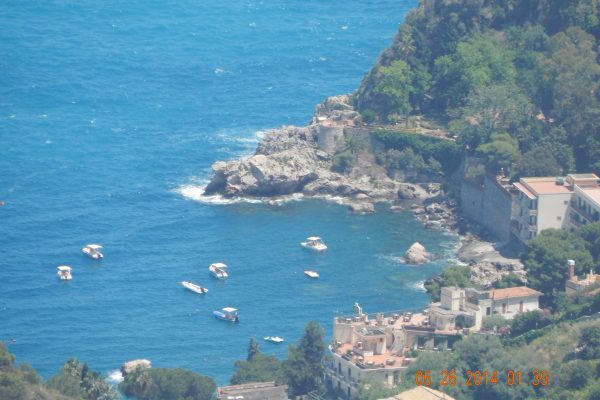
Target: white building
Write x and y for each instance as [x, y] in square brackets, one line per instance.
[585, 203]
[550, 202]
[453, 305]
[540, 203]
[367, 350]
[512, 301]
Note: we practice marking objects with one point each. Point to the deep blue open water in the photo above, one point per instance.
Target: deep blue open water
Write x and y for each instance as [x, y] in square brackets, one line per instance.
[111, 114]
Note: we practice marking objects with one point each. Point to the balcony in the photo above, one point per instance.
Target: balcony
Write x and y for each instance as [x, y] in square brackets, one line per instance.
[585, 215]
[533, 213]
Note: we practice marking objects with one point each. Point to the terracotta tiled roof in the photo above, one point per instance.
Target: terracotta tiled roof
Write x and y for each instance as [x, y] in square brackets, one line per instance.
[520, 291]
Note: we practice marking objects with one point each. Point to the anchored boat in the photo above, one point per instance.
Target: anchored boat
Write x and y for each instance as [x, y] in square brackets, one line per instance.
[93, 251]
[64, 273]
[193, 287]
[311, 274]
[227, 314]
[274, 339]
[218, 270]
[314, 243]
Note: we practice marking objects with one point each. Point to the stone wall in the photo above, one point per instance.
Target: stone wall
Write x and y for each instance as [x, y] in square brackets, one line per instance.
[488, 205]
[329, 138]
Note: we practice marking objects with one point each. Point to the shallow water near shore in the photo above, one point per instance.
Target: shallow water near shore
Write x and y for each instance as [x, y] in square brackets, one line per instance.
[110, 118]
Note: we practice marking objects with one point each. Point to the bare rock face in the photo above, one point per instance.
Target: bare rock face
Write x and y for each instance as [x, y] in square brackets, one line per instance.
[361, 208]
[285, 162]
[289, 160]
[416, 254]
[131, 366]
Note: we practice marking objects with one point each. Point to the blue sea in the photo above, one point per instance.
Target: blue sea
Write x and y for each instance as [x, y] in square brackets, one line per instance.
[111, 113]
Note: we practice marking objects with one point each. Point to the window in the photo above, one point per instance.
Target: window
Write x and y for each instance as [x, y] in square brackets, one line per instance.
[558, 218]
[503, 308]
[521, 306]
[566, 202]
[488, 310]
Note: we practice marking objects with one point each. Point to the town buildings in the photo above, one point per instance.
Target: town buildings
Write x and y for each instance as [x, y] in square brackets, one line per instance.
[575, 284]
[367, 350]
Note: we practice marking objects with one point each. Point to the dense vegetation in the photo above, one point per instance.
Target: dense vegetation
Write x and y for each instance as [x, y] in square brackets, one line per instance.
[302, 371]
[417, 153]
[569, 352]
[21, 382]
[545, 258]
[167, 384]
[515, 80]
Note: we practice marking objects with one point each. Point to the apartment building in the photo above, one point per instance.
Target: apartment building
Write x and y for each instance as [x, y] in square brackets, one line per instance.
[549, 202]
[585, 202]
[540, 203]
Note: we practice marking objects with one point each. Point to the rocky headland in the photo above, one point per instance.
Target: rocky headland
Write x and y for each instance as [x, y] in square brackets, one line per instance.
[292, 160]
[295, 160]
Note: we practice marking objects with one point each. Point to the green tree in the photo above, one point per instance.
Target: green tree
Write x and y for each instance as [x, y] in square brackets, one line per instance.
[509, 280]
[572, 75]
[77, 379]
[574, 374]
[477, 63]
[500, 152]
[545, 260]
[539, 161]
[459, 275]
[589, 343]
[374, 390]
[590, 233]
[303, 369]
[395, 84]
[167, 384]
[257, 367]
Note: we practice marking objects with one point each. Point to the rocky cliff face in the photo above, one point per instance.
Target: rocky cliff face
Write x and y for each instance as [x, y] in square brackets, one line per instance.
[299, 159]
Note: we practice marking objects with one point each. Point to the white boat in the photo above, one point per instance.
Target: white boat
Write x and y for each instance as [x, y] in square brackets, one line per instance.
[314, 243]
[93, 251]
[274, 339]
[311, 274]
[218, 270]
[64, 273]
[193, 287]
[227, 314]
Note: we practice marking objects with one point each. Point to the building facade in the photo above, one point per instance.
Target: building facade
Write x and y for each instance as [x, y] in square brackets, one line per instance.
[540, 203]
[585, 203]
[550, 202]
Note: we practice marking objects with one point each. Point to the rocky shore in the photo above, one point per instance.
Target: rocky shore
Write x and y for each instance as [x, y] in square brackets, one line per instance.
[301, 161]
[293, 160]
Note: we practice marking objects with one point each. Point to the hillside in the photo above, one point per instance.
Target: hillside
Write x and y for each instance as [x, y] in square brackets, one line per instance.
[516, 82]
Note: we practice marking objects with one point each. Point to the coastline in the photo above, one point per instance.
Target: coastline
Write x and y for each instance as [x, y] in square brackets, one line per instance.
[295, 163]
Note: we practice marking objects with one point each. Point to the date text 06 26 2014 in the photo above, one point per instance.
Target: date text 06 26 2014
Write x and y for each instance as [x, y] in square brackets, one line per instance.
[511, 377]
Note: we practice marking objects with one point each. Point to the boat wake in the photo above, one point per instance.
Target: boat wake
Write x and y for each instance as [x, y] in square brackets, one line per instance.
[418, 286]
[196, 191]
[115, 376]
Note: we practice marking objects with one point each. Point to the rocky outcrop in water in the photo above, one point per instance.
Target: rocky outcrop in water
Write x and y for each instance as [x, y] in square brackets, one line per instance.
[299, 160]
[131, 366]
[416, 254]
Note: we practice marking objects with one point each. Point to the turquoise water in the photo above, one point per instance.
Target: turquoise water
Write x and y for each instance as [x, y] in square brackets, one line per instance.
[111, 111]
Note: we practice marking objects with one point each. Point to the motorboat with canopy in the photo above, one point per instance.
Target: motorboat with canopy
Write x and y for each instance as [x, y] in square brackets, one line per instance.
[314, 243]
[227, 314]
[93, 251]
[218, 270]
[64, 273]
